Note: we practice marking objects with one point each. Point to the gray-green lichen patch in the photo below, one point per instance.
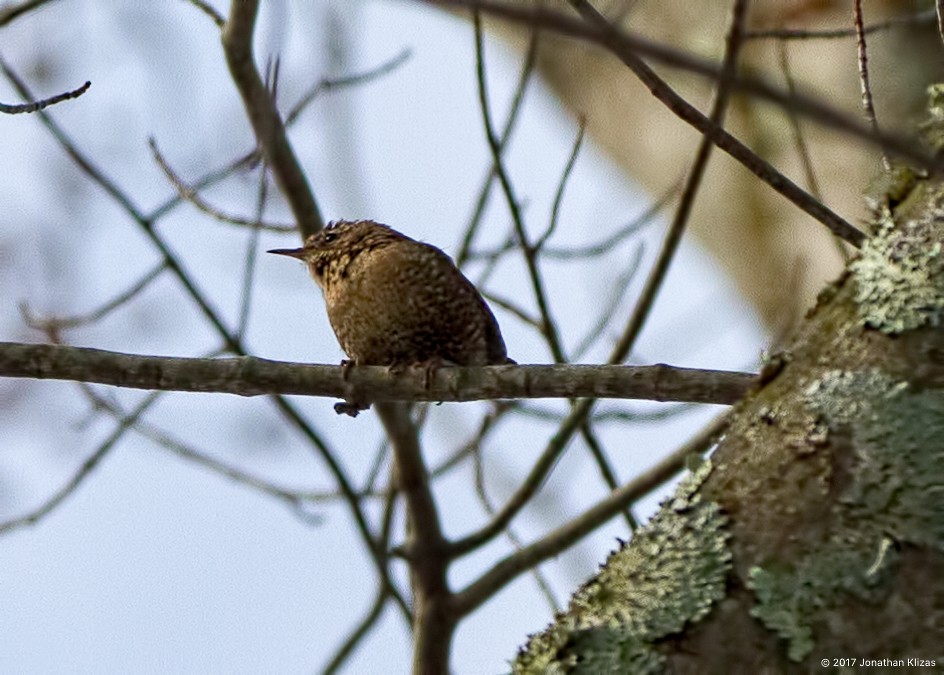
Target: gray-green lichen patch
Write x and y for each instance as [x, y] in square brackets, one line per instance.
[894, 494]
[898, 440]
[900, 278]
[670, 574]
[932, 130]
[606, 649]
[784, 610]
[790, 601]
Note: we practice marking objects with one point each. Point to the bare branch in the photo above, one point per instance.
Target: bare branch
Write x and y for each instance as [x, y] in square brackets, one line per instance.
[939, 11]
[864, 81]
[330, 84]
[361, 630]
[192, 195]
[630, 46]
[527, 70]
[506, 570]
[548, 325]
[52, 325]
[433, 620]
[252, 376]
[915, 19]
[11, 12]
[84, 471]
[264, 116]
[561, 187]
[210, 12]
[34, 106]
[673, 236]
[596, 330]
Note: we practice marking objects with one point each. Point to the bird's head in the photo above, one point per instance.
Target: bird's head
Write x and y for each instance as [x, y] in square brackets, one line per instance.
[328, 253]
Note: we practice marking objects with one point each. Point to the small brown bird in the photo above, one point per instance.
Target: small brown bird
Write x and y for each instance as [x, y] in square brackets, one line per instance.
[395, 301]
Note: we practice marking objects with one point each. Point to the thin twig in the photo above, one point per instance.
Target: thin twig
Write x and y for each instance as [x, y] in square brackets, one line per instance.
[916, 19]
[380, 456]
[252, 245]
[207, 9]
[543, 414]
[331, 83]
[799, 139]
[9, 13]
[864, 83]
[561, 187]
[803, 150]
[360, 631]
[507, 569]
[83, 472]
[939, 10]
[362, 628]
[513, 308]
[539, 578]
[209, 179]
[693, 183]
[608, 311]
[191, 195]
[549, 326]
[58, 323]
[527, 70]
[264, 116]
[468, 449]
[35, 106]
[252, 254]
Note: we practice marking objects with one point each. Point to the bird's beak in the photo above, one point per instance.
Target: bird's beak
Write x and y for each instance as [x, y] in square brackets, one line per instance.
[290, 252]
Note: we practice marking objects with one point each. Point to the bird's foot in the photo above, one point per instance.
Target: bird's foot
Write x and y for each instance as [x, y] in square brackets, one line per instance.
[350, 408]
[346, 365]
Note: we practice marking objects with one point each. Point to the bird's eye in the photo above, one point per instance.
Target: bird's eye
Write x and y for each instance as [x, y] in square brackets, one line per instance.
[327, 236]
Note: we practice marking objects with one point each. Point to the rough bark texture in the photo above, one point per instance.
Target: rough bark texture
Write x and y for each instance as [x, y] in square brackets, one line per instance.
[817, 529]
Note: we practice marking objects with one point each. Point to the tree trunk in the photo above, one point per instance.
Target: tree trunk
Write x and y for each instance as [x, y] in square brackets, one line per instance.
[816, 531]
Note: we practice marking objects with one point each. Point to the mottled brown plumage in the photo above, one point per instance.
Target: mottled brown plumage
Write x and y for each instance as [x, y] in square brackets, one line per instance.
[395, 301]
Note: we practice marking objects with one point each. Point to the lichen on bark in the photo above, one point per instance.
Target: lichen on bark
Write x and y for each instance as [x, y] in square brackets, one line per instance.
[891, 497]
[825, 494]
[672, 573]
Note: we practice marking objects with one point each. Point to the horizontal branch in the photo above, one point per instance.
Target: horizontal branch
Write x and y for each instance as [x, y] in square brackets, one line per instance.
[252, 376]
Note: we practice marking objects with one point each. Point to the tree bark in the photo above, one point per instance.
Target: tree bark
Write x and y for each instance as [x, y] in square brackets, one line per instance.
[816, 531]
